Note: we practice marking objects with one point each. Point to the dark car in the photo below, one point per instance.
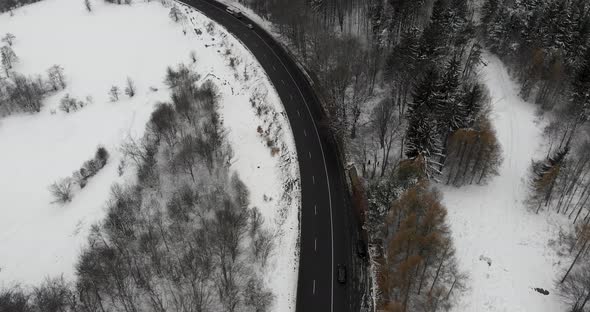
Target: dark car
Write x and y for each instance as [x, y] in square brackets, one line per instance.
[361, 248]
[341, 273]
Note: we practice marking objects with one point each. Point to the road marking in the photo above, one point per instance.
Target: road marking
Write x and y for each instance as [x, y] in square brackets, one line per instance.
[274, 68]
[309, 155]
[315, 209]
[323, 158]
[304, 132]
[291, 96]
[283, 81]
[313, 287]
[313, 178]
[315, 244]
[298, 113]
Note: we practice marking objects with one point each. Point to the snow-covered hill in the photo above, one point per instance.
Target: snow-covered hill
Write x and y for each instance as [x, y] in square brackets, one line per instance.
[100, 49]
[503, 246]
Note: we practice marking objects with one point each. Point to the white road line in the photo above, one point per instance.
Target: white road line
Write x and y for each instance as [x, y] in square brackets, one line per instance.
[309, 155]
[298, 113]
[313, 287]
[315, 209]
[313, 178]
[315, 244]
[274, 68]
[283, 81]
[291, 96]
[323, 158]
[304, 132]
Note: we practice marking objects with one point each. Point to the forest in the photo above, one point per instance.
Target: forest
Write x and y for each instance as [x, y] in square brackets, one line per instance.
[399, 83]
[400, 87]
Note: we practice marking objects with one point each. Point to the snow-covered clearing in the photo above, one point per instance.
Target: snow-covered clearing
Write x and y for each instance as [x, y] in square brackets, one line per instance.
[491, 223]
[98, 50]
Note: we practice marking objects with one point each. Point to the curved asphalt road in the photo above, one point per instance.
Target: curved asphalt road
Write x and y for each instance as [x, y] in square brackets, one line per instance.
[325, 228]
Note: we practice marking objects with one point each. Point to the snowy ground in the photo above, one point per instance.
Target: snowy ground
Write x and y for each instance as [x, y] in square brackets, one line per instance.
[492, 222]
[98, 50]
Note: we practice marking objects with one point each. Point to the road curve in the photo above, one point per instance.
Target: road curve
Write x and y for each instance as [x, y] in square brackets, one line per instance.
[325, 228]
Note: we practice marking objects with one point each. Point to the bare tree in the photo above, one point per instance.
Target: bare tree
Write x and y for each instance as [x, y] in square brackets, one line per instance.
[56, 77]
[175, 14]
[576, 289]
[62, 190]
[9, 38]
[8, 58]
[114, 93]
[88, 5]
[130, 88]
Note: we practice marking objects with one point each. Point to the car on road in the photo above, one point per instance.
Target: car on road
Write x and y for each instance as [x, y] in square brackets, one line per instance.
[234, 11]
[250, 26]
[341, 273]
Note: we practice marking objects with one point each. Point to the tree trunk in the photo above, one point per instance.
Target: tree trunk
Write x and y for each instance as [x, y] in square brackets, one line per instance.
[574, 262]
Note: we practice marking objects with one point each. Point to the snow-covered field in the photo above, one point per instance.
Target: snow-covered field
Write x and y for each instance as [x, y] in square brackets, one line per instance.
[492, 222]
[98, 50]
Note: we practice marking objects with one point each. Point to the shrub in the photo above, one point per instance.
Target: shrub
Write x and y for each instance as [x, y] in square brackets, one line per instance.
[130, 89]
[62, 190]
[69, 104]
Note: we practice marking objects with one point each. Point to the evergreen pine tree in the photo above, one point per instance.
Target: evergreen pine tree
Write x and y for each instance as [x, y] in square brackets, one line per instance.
[436, 35]
[580, 94]
[472, 100]
[489, 11]
[422, 137]
[450, 111]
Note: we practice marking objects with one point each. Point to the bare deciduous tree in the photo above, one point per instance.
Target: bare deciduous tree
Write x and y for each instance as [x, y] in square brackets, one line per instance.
[62, 190]
[88, 5]
[114, 93]
[9, 38]
[130, 88]
[56, 77]
[8, 58]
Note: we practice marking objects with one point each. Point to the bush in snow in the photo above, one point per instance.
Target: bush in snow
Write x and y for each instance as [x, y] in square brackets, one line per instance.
[9, 38]
[8, 58]
[56, 77]
[62, 190]
[69, 104]
[114, 93]
[92, 166]
[130, 88]
[175, 14]
[210, 28]
[87, 5]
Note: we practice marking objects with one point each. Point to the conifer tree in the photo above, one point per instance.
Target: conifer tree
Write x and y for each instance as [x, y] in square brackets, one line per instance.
[422, 137]
[544, 175]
